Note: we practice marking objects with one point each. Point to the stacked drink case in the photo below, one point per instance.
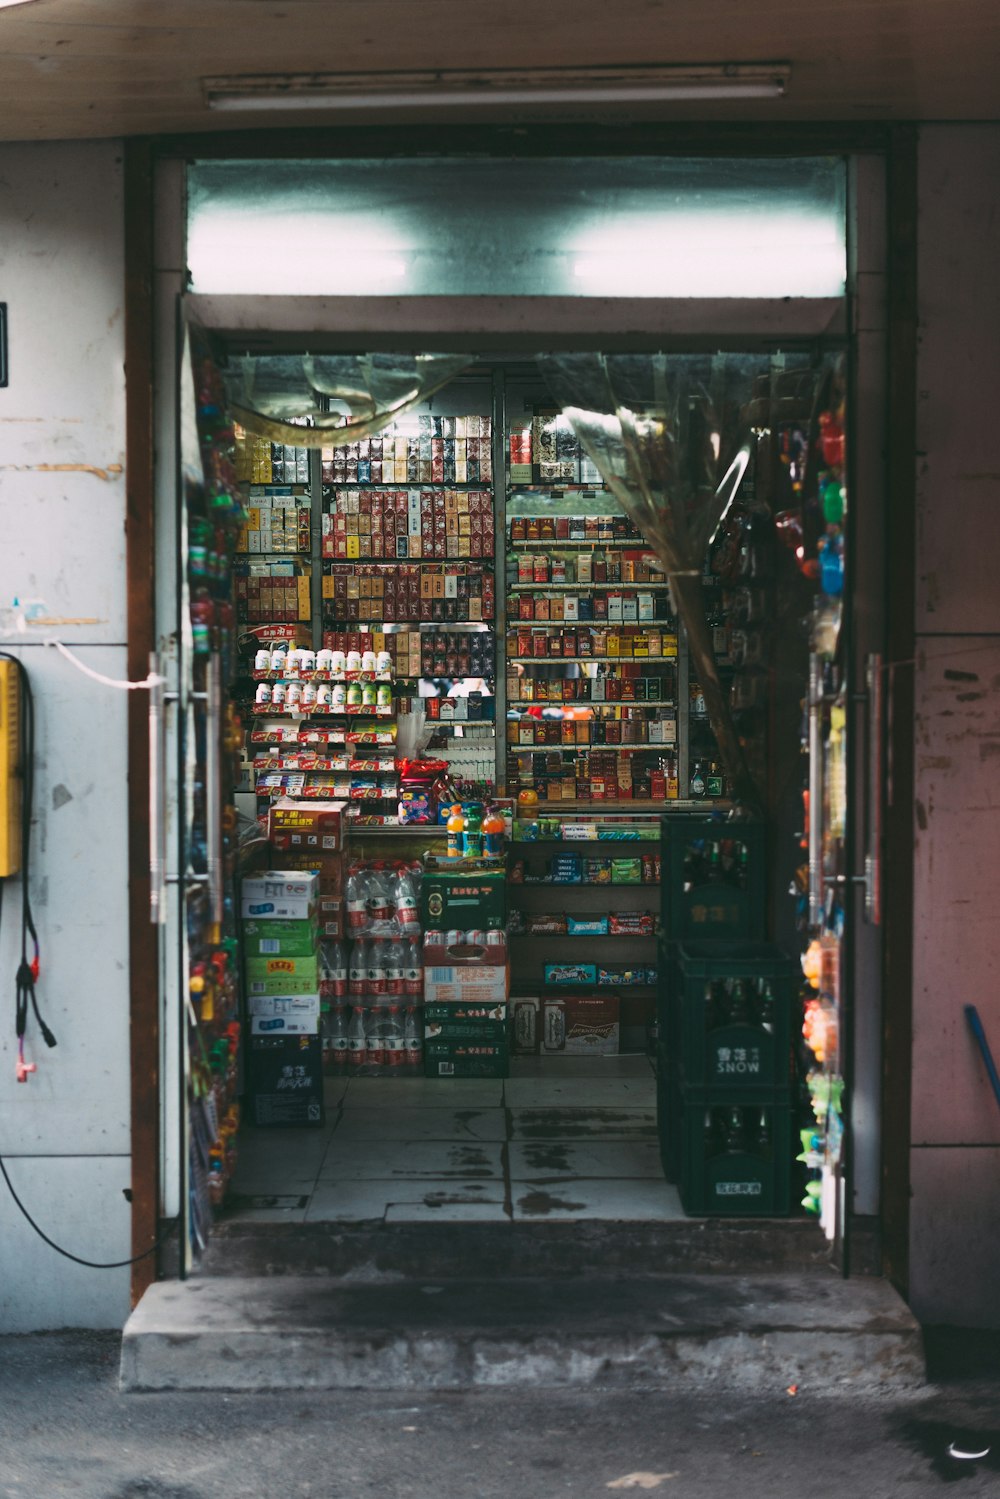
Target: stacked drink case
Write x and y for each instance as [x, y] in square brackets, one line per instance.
[466, 973]
[371, 980]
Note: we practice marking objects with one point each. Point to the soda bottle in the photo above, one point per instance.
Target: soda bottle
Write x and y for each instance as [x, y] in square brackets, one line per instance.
[357, 973]
[455, 826]
[357, 1045]
[493, 831]
[336, 1035]
[407, 915]
[472, 833]
[413, 1034]
[395, 966]
[394, 1039]
[374, 1041]
[413, 972]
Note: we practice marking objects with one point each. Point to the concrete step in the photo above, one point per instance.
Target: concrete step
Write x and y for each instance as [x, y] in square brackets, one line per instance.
[392, 1251]
[812, 1330]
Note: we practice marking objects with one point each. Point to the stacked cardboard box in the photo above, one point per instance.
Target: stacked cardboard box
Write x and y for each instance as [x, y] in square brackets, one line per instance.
[281, 944]
[466, 974]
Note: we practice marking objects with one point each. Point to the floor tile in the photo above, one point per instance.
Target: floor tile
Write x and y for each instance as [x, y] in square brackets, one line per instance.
[265, 1214]
[350, 1202]
[421, 1124]
[280, 1160]
[582, 1124]
[334, 1090]
[581, 1092]
[549, 1069]
[424, 1093]
[550, 1160]
[446, 1212]
[351, 1159]
[620, 1201]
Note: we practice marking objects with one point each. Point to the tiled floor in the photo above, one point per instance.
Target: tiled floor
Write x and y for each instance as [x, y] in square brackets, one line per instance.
[569, 1139]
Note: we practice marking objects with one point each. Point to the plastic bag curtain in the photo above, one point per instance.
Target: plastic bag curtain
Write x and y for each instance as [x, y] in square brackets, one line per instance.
[330, 400]
[665, 433]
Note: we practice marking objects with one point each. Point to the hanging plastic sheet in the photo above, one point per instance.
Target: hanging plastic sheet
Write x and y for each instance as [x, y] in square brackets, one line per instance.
[330, 400]
[672, 437]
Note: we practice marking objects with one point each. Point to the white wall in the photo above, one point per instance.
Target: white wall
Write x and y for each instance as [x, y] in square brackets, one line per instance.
[65, 1134]
[955, 1159]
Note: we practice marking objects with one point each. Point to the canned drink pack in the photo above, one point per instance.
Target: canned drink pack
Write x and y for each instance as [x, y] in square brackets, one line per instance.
[475, 938]
[496, 938]
[454, 938]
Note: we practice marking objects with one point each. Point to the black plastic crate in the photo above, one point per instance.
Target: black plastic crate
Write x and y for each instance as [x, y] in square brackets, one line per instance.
[736, 1155]
[712, 878]
[729, 1021]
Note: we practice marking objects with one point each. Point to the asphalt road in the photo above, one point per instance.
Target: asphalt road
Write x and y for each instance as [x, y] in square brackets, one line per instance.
[66, 1430]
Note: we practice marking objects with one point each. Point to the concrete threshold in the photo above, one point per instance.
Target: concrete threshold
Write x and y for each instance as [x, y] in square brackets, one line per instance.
[761, 1333]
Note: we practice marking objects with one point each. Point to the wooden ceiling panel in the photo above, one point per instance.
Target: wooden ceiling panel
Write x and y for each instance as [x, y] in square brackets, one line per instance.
[77, 68]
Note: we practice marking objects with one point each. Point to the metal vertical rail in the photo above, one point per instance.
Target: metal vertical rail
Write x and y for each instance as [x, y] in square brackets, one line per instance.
[316, 547]
[499, 405]
[816, 893]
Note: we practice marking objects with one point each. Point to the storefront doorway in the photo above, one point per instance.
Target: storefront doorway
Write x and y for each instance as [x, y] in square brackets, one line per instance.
[520, 1149]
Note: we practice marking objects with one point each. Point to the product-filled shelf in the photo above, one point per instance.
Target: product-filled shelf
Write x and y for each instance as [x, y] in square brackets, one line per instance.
[577, 938]
[589, 660]
[585, 886]
[617, 543]
[576, 749]
[268, 710]
[399, 626]
[622, 587]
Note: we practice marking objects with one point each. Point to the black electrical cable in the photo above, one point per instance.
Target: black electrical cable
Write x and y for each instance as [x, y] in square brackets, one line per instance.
[26, 972]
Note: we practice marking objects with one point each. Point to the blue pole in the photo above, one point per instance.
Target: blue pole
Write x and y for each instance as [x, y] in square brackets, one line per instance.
[976, 1027]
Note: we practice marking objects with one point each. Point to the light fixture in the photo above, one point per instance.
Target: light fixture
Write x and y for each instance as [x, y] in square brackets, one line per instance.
[5, 3]
[453, 88]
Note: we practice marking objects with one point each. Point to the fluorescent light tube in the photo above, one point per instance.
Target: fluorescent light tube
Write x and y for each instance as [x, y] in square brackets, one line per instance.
[363, 91]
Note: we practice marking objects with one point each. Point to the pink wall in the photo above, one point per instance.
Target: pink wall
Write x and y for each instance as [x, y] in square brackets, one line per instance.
[955, 1157]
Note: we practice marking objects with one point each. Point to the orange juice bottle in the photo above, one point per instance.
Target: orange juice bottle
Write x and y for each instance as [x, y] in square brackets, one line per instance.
[455, 826]
[493, 830]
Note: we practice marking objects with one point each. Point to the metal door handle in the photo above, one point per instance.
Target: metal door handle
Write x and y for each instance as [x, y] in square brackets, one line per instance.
[816, 899]
[213, 783]
[873, 814]
[157, 808]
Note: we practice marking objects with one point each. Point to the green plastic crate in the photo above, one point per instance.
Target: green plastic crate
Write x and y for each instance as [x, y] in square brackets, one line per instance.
[669, 1116]
[729, 1020]
[706, 894]
[736, 1155]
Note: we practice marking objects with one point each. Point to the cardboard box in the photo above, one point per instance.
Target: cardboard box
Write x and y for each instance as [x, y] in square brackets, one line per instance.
[282, 975]
[285, 1081]
[279, 939]
[462, 1022]
[466, 975]
[464, 901]
[278, 1006]
[286, 895]
[458, 1059]
[580, 1026]
[307, 825]
[287, 1022]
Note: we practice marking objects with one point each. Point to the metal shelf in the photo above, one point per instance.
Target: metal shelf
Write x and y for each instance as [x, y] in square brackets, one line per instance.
[628, 749]
[588, 588]
[634, 544]
[571, 660]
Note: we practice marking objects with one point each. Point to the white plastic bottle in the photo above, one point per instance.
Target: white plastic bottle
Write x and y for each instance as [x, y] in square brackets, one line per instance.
[337, 965]
[395, 967]
[413, 1035]
[357, 973]
[357, 1039]
[376, 960]
[374, 1041]
[407, 914]
[394, 1040]
[413, 971]
[335, 1041]
[356, 901]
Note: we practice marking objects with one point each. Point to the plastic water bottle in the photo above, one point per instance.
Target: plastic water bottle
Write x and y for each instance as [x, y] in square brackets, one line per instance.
[357, 975]
[335, 1044]
[356, 901]
[380, 899]
[413, 972]
[394, 1041]
[413, 1033]
[376, 982]
[395, 966]
[357, 1039]
[335, 968]
[374, 1041]
[407, 915]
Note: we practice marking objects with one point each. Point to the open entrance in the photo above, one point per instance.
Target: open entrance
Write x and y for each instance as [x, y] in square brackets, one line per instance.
[492, 905]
